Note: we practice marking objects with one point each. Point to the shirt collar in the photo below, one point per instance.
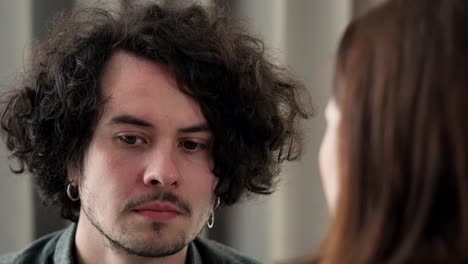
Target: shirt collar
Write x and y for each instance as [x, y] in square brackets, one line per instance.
[65, 247]
[193, 255]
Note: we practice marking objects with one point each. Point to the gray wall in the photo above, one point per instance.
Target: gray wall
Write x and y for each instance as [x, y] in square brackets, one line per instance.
[23, 217]
[16, 228]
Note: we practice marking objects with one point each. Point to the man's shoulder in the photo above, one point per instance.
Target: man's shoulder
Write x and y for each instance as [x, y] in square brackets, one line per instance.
[213, 252]
[41, 250]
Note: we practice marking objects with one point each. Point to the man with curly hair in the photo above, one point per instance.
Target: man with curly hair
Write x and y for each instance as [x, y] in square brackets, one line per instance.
[137, 124]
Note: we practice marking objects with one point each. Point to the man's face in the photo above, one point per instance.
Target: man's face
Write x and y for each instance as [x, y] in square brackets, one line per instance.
[147, 183]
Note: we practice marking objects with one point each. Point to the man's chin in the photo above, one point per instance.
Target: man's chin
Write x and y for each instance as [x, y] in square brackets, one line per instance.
[155, 252]
[148, 246]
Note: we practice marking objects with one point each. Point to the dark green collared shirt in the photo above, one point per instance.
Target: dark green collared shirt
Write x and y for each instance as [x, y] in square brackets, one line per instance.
[59, 248]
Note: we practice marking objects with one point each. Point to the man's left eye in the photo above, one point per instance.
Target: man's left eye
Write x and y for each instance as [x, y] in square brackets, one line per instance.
[191, 145]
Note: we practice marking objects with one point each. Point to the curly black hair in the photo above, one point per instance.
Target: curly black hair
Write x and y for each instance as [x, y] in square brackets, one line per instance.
[253, 106]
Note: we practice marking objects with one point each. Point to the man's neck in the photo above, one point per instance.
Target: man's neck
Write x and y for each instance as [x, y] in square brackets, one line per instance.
[93, 247]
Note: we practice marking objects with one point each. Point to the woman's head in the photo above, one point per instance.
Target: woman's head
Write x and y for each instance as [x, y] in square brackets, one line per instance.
[400, 101]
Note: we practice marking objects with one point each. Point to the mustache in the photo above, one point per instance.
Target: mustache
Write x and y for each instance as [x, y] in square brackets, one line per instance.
[159, 196]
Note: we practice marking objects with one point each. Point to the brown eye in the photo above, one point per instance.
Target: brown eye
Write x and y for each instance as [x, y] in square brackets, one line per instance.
[190, 145]
[131, 140]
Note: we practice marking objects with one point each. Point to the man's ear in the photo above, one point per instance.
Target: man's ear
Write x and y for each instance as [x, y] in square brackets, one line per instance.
[215, 184]
[73, 174]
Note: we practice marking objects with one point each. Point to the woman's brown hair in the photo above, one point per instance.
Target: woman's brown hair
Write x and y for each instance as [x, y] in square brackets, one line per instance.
[402, 90]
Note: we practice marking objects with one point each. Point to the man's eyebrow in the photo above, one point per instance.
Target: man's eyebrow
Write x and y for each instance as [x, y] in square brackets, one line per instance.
[130, 120]
[202, 127]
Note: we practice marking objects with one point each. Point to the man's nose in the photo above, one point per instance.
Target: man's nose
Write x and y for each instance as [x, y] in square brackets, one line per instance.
[162, 169]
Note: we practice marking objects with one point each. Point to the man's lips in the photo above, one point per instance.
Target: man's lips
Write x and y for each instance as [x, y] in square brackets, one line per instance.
[158, 211]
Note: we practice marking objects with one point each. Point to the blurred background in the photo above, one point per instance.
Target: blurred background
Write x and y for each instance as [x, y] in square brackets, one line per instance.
[301, 34]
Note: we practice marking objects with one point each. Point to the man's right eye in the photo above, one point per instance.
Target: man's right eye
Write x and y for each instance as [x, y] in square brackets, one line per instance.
[131, 139]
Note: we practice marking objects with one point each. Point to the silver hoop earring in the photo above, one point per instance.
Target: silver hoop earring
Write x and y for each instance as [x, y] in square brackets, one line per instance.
[210, 222]
[69, 192]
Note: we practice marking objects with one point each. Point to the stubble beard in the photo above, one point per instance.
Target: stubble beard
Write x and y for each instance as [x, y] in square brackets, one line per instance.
[127, 242]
